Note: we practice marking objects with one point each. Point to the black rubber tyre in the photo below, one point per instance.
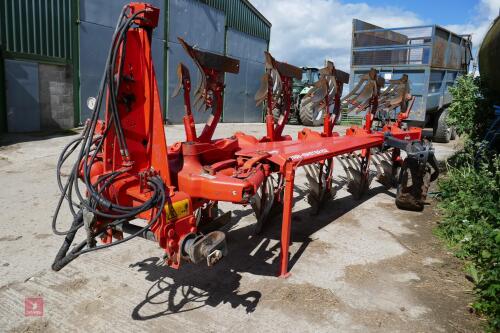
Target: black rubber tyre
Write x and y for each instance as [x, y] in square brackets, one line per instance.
[294, 118]
[412, 186]
[276, 114]
[442, 132]
[308, 115]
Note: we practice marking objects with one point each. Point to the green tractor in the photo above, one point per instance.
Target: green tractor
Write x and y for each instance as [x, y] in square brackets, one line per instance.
[300, 88]
[310, 75]
[308, 114]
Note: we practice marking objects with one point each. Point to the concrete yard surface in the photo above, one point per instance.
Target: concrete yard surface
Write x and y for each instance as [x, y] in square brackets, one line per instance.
[357, 266]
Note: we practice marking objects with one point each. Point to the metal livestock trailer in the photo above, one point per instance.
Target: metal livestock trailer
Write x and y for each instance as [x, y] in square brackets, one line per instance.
[432, 57]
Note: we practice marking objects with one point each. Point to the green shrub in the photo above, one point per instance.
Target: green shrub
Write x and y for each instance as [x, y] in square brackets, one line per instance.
[469, 112]
[470, 199]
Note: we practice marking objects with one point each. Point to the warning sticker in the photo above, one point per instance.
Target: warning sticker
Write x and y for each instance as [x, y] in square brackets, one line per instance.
[177, 209]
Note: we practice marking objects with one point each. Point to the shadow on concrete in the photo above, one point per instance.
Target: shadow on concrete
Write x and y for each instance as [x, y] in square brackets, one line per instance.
[8, 139]
[196, 286]
[189, 289]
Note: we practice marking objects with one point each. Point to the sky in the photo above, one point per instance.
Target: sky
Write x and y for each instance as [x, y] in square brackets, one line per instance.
[306, 32]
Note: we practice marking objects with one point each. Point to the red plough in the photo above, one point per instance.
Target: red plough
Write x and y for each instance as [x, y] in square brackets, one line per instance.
[137, 186]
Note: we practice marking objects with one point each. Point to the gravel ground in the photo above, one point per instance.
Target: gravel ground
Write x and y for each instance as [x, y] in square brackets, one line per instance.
[358, 266]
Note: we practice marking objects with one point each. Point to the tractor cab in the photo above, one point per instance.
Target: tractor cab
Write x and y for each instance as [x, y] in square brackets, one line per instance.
[309, 76]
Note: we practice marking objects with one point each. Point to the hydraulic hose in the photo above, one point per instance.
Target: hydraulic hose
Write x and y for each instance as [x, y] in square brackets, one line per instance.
[89, 146]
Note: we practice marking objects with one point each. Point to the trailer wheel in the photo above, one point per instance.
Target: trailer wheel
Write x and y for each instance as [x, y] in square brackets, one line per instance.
[310, 116]
[453, 135]
[442, 132]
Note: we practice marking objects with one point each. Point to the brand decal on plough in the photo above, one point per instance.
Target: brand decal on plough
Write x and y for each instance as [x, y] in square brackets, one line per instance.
[309, 154]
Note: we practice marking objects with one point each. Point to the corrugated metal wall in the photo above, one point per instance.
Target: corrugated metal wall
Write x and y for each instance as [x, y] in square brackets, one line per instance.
[47, 30]
[97, 21]
[239, 104]
[241, 16]
[36, 27]
[43, 27]
[206, 32]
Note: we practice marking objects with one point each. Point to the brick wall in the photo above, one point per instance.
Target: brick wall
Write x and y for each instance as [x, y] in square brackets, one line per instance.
[56, 96]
